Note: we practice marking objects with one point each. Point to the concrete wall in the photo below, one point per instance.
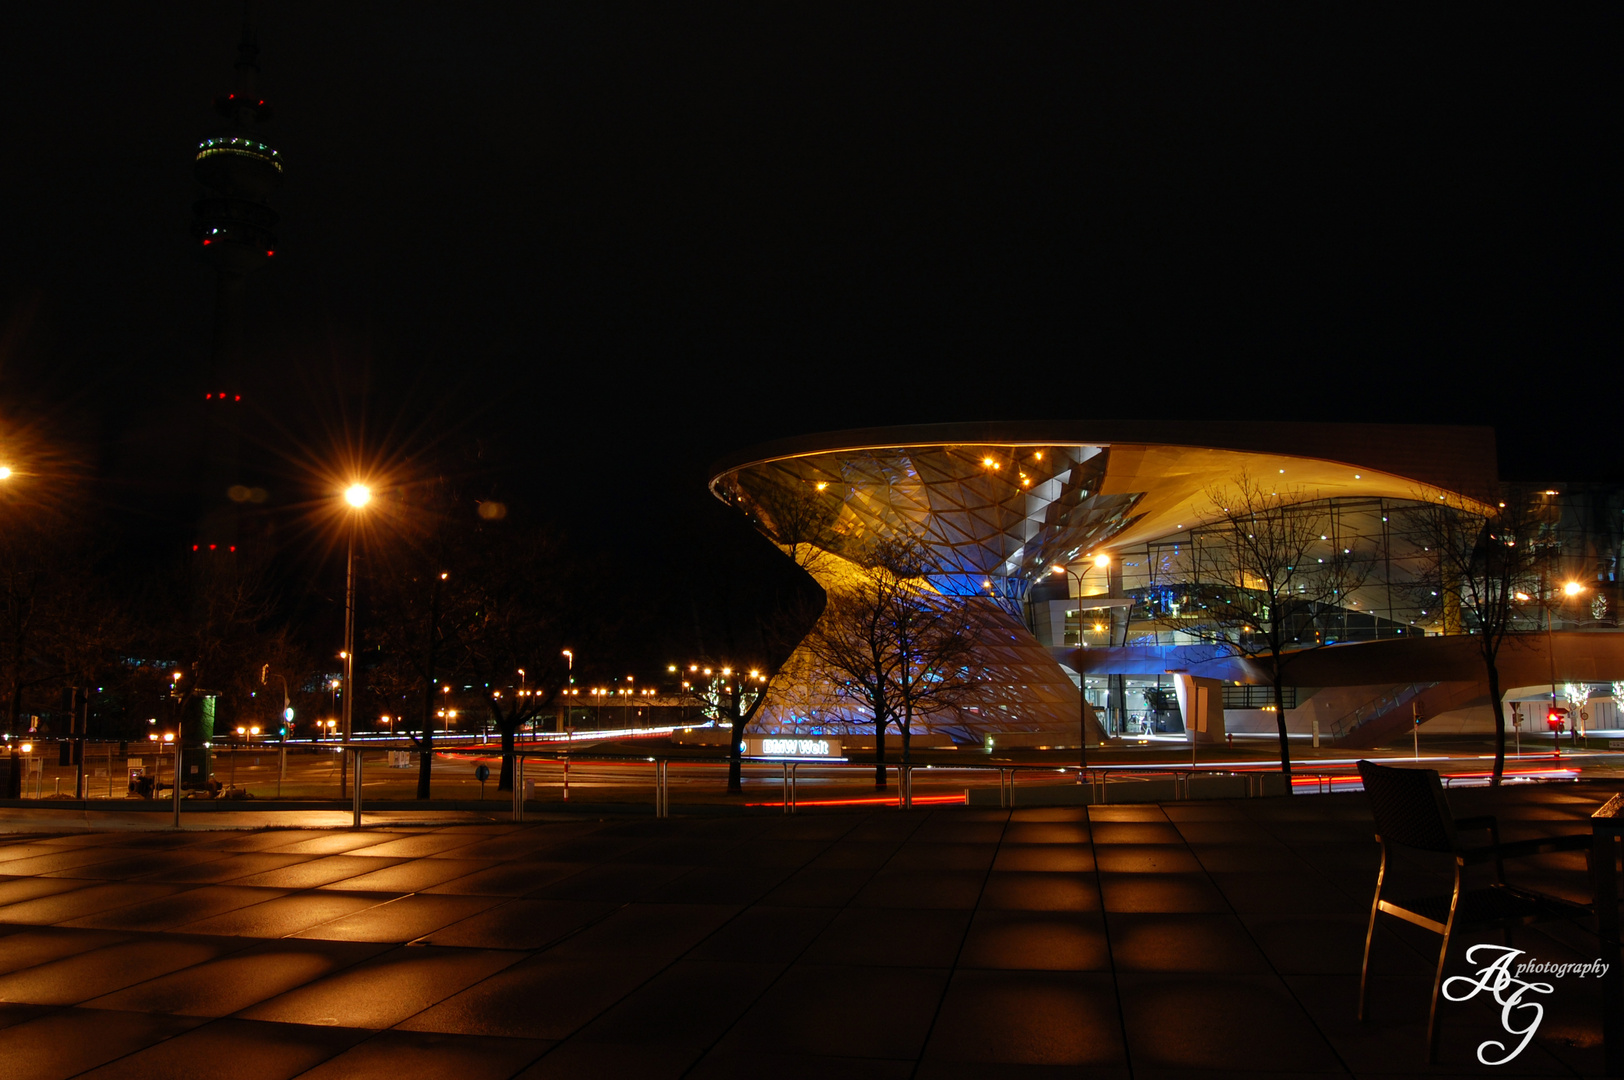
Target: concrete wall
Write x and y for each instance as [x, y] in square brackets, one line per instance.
[1201, 704]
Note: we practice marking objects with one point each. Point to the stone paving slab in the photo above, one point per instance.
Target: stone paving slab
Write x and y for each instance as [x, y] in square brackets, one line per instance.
[1186, 940]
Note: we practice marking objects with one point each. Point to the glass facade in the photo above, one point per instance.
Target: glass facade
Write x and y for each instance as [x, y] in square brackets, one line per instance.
[1578, 532]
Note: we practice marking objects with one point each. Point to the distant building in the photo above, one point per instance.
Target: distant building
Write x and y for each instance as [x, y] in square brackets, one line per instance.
[1115, 505]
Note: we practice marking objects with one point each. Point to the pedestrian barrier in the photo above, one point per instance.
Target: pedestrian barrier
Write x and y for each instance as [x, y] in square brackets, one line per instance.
[150, 778]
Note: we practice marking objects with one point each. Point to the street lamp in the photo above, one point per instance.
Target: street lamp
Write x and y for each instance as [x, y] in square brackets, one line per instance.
[569, 671]
[1569, 589]
[1101, 561]
[357, 495]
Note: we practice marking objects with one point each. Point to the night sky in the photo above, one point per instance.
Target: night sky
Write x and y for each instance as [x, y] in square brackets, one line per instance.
[612, 242]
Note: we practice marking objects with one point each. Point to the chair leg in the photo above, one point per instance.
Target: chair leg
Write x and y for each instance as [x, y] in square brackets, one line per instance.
[1370, 936]
[1364, 969]
[1432, 1014]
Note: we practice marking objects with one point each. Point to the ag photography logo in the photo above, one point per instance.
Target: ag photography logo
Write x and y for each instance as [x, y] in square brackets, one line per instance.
[1520, 1008]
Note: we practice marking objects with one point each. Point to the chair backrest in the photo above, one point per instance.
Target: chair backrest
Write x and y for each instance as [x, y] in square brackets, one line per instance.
[1409, 806]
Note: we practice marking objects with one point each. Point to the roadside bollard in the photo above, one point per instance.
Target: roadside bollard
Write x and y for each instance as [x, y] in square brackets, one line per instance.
[356, 793]
[518, 787]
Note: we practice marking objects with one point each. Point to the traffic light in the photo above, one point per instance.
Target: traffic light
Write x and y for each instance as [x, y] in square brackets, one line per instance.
[1556, 717]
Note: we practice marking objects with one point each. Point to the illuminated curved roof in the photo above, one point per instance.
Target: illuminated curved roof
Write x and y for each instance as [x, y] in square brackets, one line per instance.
[1008, 499]
[1457, 458]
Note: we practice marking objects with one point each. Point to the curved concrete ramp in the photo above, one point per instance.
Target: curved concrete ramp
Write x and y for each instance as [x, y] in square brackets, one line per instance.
[1435, 674]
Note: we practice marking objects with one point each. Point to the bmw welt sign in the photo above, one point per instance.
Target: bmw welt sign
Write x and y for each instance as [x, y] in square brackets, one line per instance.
[788, 746]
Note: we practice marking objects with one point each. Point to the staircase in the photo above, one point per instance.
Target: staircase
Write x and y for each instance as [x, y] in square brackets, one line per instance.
[1393, 712]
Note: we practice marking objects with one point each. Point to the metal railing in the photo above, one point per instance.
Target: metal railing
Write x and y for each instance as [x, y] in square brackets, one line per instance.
[1100, 779]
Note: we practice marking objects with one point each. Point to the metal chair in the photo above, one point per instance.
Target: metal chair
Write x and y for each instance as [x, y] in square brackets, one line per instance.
[1412, 812]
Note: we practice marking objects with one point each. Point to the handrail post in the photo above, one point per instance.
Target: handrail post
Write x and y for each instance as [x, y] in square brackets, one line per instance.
[356, 794]
[518, 787]
[176, 785]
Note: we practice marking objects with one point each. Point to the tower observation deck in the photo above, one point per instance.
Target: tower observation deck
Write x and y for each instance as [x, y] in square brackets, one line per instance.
[236, 230]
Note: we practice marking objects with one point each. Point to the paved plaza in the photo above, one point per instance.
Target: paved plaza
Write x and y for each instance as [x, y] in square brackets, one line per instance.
[1188, 939]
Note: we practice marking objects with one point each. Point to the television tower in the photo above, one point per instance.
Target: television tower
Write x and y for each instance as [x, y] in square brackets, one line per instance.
[236, 229]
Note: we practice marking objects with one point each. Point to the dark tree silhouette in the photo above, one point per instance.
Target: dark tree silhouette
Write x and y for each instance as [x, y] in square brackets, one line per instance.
[483, 599]
[891, 645]
[1483, 563]
[1257, 579]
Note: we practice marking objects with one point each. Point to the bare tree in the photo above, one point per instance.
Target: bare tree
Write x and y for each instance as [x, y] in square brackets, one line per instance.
[744, 609]
[405, 629]
[937, 665]
[524, 603]
[1260, 580]
[41, 578]
[482, 599]
[799, 517]
[893, 646]
[730, 694]
[1483, 562]
[854, 645]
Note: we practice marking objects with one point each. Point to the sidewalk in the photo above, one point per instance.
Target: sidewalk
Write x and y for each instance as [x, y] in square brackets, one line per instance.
[1190, 939]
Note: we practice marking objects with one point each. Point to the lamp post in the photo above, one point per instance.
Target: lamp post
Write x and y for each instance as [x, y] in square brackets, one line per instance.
[519, 708]
[1571, 588]
[265, 673]
[1082, 696]
[357, 496]
[569, 682]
